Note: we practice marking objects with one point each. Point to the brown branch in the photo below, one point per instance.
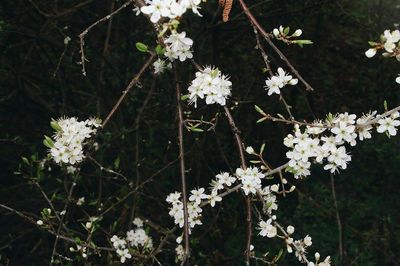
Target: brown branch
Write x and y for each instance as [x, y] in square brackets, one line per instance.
[239, 144]
[86, 31]
[182, 169]
[129, 87]
[339, 223]
[267, 37]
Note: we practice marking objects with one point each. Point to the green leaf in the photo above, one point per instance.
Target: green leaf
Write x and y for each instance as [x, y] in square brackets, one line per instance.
[184, 97]
[25, 160]
[48, 142]
[117, 162]
[258, 109]
[279, 255]
[262, 148]
[195, 129]
[160, 50]
[373, 43]
[302, 42]
[286, 30]
[385, 105]
[261, 120]
[142, 47]
[54, 125]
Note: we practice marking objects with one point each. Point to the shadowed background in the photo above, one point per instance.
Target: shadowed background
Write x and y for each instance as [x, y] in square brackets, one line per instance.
[40, 79]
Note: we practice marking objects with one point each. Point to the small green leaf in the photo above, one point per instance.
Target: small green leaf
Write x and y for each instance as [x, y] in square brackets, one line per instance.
[258, 109]
[117, 162]
[48, 142]
[279, 255]
[142, 47]
[160, 50]
[286, 30]
[184, 97]
[302, 42]
[54, 125]
[261, 120]
[373, 44]
[385, 105]
[25, 160]
[262, 148]
[195, 129]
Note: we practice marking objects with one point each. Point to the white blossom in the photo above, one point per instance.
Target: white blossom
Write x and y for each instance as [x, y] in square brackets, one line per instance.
[275, 83]
[267, 229]
[210, 84]
[178, 46]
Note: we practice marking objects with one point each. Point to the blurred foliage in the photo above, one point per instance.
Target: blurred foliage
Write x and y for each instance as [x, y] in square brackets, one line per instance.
[40, 79]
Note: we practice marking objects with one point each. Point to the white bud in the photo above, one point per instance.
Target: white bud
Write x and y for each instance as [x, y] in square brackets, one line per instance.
[290, 229]
[88, 225]
[276, 32]
[284, 181]
[292, 188]
[67, 40]
[398, 80]
[317, 256]
[251, 247]
[275, 188]
[370, 52]
[39, 222]
[250, 150]
[297, 33]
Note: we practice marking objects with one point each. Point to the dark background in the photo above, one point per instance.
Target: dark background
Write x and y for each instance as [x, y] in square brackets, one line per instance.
[40, 79]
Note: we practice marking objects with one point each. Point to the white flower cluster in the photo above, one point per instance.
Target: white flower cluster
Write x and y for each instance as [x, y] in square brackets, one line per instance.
[326, 262]
[268, 229]
[282, 34]
[170, 9]
[310, 146]
[69, 139]
[250, 178]
[178, 46]
[390, 44]
[299, 246]
[194, 210]
[210, 84]
[81, 250]
[136, 239]
[275, 83]
[269, 198]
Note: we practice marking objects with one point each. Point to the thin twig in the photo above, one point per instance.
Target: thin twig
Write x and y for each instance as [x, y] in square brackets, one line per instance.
[339, 223]
[182, 169]
[267, 37]
[134, 80]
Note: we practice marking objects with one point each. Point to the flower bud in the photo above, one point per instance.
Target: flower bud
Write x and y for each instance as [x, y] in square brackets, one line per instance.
[370, 53]
[290, 229]
[250, 150]
[275, 188]
[297, 33]
[276, 32]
